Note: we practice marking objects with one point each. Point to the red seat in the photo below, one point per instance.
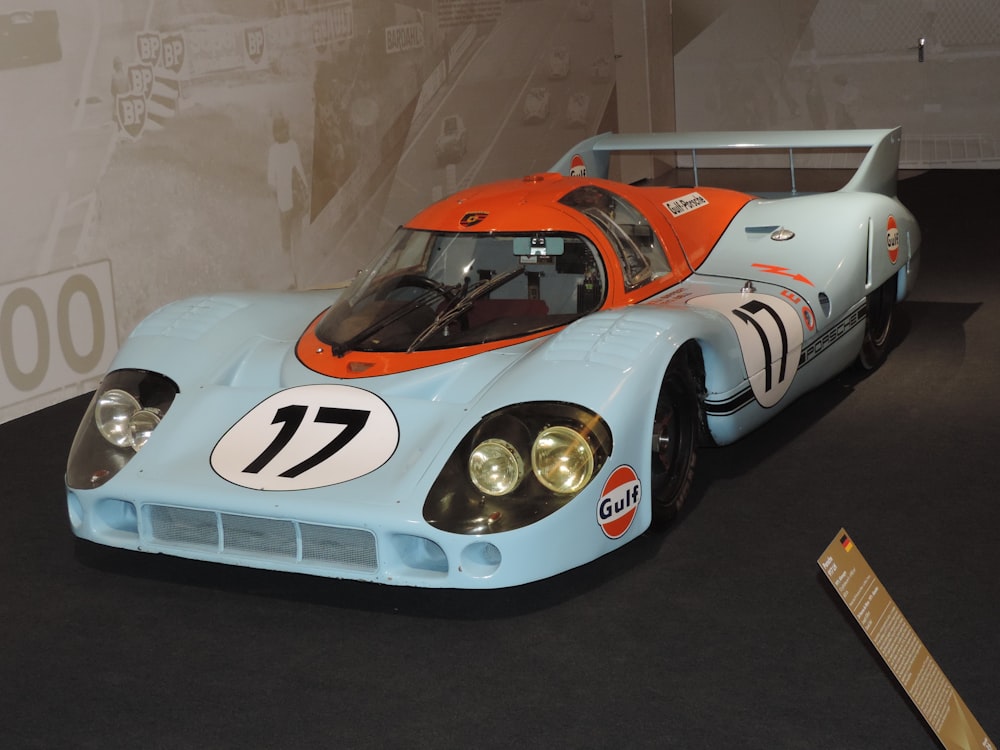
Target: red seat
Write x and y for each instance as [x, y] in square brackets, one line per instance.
[486, 310]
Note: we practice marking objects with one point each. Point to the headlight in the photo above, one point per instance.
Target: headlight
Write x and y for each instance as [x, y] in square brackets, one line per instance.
[122, 421]
[112, 413]
[495, 467]
[562, 460]
[517, 466]
[141, 426]
[122, 416]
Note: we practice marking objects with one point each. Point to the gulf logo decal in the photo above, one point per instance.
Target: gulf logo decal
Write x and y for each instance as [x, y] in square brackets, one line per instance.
[577, 167]
[892, 239]
[619, 502]
[307, 437]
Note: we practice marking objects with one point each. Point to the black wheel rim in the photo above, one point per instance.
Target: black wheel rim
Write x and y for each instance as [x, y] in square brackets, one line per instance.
[674, 433]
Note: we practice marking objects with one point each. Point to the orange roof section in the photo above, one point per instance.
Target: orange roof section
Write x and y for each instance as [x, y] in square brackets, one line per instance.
[532, 204]
[699, 229]
[529, 204]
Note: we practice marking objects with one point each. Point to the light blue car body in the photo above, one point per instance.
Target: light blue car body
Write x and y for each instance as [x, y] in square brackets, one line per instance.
[229, 353]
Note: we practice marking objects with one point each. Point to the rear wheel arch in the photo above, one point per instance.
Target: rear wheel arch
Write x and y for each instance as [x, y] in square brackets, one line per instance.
[879, 315]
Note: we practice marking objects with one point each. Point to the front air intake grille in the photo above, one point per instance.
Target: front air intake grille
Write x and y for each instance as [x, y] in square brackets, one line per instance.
[276, 539]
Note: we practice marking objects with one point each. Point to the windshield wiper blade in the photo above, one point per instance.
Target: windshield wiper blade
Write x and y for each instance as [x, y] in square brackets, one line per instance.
[339, 349]
[460, 305]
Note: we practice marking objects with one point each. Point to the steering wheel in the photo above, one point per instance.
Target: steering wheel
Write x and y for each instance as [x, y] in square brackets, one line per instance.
[421, 282]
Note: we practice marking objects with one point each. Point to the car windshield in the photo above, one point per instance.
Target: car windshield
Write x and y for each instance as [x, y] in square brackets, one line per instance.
[433, 290]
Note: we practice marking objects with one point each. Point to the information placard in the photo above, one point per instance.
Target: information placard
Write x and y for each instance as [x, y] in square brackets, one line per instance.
[904, 653]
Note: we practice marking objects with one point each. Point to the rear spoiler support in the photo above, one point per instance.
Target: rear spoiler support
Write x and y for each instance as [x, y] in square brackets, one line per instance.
[876, 173]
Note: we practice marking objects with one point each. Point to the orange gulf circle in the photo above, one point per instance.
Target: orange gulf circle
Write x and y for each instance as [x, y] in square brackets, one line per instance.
[618, 522]
[892, 240]
[808, 318]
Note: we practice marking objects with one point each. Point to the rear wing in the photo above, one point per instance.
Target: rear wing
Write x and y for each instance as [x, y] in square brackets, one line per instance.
[876, 173]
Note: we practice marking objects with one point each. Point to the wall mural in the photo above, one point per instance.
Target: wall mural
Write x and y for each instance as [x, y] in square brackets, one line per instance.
[929, 65]
[155, 149]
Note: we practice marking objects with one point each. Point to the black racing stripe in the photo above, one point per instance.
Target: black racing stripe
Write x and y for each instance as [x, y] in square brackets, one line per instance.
[730, 405]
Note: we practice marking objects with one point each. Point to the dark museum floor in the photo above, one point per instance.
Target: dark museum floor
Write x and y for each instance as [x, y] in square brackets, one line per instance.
[721, 632]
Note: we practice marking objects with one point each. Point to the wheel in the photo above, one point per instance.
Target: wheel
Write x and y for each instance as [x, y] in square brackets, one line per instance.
[675, 436]
[878, 324]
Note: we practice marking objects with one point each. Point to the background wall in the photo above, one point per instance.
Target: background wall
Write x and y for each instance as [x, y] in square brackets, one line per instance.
[773, 64]
[123, 189]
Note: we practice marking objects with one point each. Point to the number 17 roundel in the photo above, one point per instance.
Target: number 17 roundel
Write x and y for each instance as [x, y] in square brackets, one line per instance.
[770, 337]
[308, 437]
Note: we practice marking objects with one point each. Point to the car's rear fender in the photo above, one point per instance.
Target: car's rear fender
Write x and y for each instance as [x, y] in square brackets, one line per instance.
[836, 252]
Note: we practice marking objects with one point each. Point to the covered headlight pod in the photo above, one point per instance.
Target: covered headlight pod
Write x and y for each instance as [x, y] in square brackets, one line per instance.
[517, 466]
[120, 420]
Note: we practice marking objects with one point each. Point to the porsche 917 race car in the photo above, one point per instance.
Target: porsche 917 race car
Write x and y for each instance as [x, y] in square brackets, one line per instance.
[516, 386]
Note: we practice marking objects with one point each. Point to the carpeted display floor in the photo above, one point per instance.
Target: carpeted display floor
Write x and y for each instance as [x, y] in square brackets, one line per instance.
[721, 632]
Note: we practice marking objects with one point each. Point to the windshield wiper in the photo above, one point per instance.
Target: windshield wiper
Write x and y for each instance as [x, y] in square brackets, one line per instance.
[461, 304]
[339, 349]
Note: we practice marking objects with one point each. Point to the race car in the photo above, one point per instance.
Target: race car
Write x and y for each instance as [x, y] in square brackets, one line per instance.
[450, 145]
[558, 62]
[577, 108]
[29, 38]
[536, 105]
[518, 385]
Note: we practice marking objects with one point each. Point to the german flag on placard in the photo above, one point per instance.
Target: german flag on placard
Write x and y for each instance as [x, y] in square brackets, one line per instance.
[846, 542]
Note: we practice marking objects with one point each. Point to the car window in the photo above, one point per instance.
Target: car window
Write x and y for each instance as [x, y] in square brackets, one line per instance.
[433, 290]
[635, 243]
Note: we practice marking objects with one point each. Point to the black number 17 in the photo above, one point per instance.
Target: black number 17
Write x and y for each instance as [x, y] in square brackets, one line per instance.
[291, 417]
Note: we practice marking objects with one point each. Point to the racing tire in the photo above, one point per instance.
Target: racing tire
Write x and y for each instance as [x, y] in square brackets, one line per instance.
[878, 326]
[675, 434]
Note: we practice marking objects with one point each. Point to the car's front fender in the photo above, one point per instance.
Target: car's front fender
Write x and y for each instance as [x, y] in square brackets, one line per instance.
[203, 340]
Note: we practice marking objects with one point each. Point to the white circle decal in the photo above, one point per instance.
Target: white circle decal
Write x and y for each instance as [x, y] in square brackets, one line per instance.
[770, 337]
[307, 437]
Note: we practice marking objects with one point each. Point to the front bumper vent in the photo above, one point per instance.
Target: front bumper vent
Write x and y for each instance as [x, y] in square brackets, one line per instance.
[238, 536]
